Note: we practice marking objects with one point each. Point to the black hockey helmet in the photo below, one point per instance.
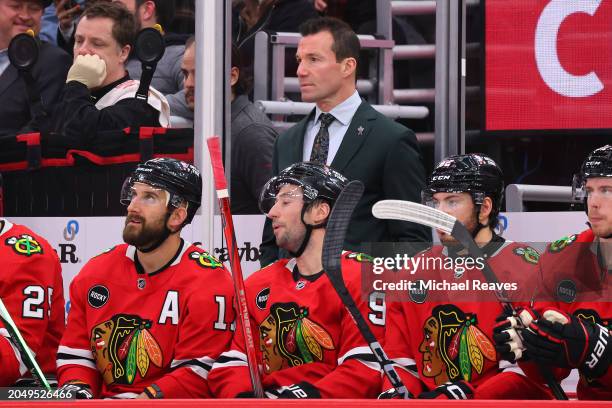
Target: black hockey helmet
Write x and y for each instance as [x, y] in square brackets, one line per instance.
[472, 173]
[317, 181]
[180, 179]
[597, 164]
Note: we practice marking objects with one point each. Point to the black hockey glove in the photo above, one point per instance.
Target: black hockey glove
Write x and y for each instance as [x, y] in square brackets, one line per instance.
[507, 334]
[458, 390]
[391, 393]
[561, 340]
[79, 389]
[300, 390]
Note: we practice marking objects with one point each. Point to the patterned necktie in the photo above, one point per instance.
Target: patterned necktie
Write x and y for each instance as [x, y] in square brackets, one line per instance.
[320, 147]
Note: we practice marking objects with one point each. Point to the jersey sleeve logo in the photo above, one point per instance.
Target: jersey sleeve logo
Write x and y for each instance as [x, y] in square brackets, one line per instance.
[528, 254]
[123, 348]
[560, 244]
[24, 244]
[205, 260]
[359, 257]
[106, 251]
[453, 345]
[289, 338]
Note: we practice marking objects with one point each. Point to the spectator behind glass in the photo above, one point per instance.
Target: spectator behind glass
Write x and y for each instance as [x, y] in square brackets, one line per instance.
[49, 73]
[252, 135]
[99, 95]
[168, 78]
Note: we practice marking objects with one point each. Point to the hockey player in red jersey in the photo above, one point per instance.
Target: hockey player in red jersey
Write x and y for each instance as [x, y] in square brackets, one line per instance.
[149, 317]
[569, 327]
[309, 347]
[441, 341]
[32, 290]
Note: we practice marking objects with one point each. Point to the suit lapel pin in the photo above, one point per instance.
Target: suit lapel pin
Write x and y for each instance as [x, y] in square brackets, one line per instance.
[360, 130]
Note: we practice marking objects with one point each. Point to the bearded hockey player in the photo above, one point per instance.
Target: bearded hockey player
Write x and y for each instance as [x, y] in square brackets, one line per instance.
[149, 317]
[32, 290]
[574, 330]
[309, 346]
[441, 341]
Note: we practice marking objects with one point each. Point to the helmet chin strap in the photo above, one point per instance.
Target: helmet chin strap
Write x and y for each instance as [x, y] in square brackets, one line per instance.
[309, 229]
[161, 239]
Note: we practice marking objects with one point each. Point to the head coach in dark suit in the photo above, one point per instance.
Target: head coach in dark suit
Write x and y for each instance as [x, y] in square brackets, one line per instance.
[49, 73]
[349, 135]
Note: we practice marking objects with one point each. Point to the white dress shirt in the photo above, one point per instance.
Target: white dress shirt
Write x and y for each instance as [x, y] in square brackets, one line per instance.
[343, 113]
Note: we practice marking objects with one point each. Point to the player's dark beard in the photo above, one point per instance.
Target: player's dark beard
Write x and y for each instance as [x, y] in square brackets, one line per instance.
[147, 234]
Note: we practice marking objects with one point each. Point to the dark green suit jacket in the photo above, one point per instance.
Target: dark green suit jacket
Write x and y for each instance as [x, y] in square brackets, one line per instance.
[381, 153]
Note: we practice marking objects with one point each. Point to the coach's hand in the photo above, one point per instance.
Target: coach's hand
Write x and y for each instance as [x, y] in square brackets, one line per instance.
[90, 70]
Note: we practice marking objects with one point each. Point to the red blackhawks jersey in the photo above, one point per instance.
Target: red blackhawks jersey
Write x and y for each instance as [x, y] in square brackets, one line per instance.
[128, 329]
[32, 290]
[575, 282]
[436, 336]
[303, 333]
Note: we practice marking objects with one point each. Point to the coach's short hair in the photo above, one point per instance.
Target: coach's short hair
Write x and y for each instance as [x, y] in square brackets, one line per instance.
[124, 24]
[346, 43]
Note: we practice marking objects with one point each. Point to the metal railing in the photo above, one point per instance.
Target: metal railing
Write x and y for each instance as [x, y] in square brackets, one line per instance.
[271, 83]
[304, 108]
[517, 194]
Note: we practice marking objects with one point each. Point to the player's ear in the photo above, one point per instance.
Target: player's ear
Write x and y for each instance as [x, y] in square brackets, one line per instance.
[485, 210]
[177, 218]
[320, 212]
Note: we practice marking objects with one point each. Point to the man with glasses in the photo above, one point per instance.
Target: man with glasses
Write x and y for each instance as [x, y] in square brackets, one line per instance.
[149, 317]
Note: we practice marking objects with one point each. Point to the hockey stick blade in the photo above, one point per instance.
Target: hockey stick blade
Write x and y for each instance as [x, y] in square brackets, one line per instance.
[24, 351]
[424, 215]
[214, 149]
[333, 244]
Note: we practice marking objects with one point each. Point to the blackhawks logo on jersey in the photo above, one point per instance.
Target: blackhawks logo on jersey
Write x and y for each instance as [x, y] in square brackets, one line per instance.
[528, 254]
[453, 345]
[123, 347]
[289, 338]
[560, 244]
[205, 260]
[24, 244]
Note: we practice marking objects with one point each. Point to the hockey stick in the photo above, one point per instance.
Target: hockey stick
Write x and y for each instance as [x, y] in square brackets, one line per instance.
[424, 215]
[214, 149]
[333, 244]
[26, 355]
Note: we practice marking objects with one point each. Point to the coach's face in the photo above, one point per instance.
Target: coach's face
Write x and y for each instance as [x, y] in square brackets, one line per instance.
[18, 16]
[599, 204]
[322, 78]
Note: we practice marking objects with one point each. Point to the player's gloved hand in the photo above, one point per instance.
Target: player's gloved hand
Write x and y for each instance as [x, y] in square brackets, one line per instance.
[90, 70]
[457, 390]
[300, 390]
[561, 340]
[392, 393]
[507, 334]
[79, 389]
